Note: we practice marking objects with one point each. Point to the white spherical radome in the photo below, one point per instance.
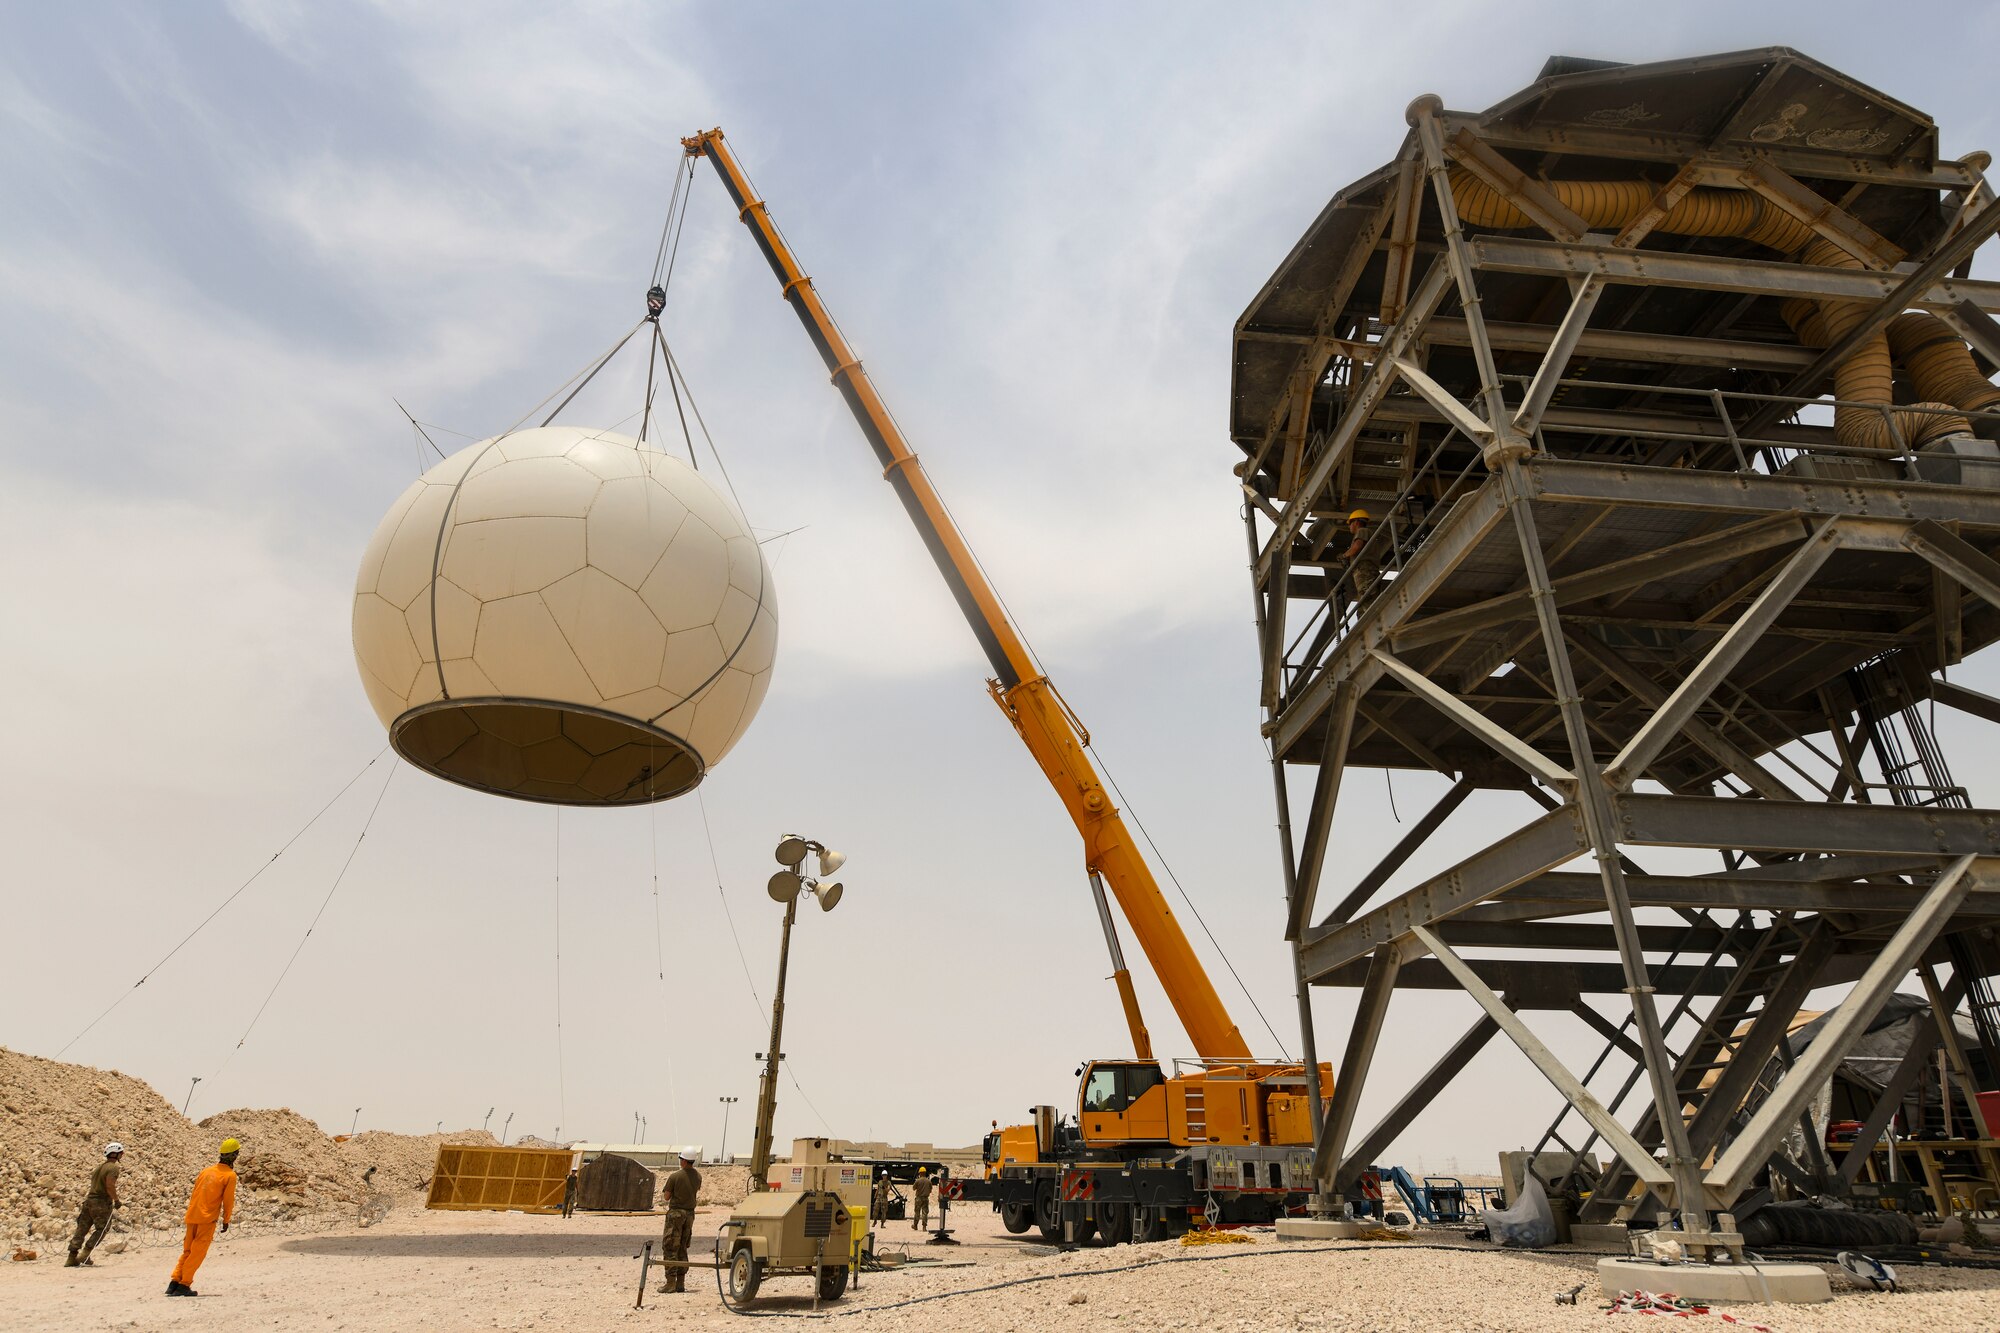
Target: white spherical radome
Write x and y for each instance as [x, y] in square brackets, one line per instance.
[561, 615]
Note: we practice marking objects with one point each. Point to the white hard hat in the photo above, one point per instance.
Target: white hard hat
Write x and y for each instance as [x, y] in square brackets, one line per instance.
[114, 1147]
[691, 1153]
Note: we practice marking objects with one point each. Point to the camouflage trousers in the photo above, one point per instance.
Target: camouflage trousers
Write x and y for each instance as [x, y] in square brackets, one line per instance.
[93, 1214]
[674, 1237]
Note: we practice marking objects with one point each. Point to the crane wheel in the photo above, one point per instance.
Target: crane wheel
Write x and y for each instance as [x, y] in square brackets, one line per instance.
[1149, 1224]
[1017, 1217]
[1114, 1223]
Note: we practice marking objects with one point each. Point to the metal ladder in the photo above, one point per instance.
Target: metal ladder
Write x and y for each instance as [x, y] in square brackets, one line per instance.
[1762, 962]
[1900, 736]
[1972, 962]
[1697, 921]
[1913, 767]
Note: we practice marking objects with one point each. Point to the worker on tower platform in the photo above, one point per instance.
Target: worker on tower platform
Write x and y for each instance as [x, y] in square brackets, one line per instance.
[922, 1186]
[683, 1187]
[212, 1202]
[94, 1218]
[1360, 573]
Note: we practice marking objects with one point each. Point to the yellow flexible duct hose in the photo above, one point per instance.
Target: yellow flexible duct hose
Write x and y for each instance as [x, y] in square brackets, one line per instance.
[1867, 376]
[1939, 363]
[1606, 204]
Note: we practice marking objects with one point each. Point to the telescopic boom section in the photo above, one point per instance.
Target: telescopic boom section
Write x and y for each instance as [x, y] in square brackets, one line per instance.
[1044, 722]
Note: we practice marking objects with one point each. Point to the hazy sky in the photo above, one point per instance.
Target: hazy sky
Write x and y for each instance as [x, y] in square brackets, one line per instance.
[231, 235]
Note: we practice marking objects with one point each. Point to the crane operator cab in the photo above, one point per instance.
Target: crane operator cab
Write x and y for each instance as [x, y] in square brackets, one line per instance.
[1122, 1101]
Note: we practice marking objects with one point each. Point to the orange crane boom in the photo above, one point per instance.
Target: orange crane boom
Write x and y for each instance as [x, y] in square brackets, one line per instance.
[1052, 733]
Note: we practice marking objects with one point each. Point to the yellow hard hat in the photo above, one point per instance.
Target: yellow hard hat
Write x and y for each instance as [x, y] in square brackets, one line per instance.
[1360, 513]
[923, 1170]
[231, 1145]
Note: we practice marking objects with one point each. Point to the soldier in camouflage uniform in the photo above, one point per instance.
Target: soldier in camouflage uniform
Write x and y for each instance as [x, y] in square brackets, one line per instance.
[683, 1186]
[94, 1218]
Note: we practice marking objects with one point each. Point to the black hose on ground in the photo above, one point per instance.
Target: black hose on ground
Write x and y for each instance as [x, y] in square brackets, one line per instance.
[1898, 1254]
[1092, 1272]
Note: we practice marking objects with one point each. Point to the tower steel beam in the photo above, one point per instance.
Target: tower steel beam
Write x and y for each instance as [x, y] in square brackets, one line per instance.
[1503, 456]
[1850, 1020]
[1355, 1063]
[1419, 1096]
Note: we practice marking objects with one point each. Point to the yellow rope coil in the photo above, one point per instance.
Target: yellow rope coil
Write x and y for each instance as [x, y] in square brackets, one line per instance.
[1213, 1237]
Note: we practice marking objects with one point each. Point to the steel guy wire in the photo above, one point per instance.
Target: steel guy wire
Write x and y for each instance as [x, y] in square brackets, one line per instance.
[1220, 951]
[680, 230]
[674, 367]
[562, 1075]
[421, 431]
[683, 173]
[332, 889]
[588, 378]
[701, 803]
[233, 896]
[672, 376]
[646, 420]
[1092, 747]
[660, 959]
[432, 425]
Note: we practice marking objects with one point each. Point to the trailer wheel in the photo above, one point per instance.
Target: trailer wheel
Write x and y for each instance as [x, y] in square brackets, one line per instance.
[1114, 1223]
[1046, 1216]
[1017, 1217]
[832, 1283]
[1149, 1224]
[746, 1274]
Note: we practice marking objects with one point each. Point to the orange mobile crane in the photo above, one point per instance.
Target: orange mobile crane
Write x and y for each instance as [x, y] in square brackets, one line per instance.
[1231, 1137]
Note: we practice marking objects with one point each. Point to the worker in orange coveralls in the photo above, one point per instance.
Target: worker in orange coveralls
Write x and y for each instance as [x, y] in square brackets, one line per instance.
[213, 1201]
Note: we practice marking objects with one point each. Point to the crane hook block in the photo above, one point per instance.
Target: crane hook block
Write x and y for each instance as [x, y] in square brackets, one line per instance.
[656, 301]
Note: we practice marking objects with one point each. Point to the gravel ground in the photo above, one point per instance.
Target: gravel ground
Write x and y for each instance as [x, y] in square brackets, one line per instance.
[466, 1271]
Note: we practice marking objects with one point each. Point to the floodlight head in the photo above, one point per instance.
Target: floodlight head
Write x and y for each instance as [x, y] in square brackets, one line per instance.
[791, 850]
[784, 886]
[829, 895]
[830, 860]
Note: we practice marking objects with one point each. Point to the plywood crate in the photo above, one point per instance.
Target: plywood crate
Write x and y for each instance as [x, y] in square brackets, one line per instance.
[526, 1180]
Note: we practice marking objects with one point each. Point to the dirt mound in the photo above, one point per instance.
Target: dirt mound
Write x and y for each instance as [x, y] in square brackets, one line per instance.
[55, 1119]
[723, 1186]
[403, 1162]
[286, 1156]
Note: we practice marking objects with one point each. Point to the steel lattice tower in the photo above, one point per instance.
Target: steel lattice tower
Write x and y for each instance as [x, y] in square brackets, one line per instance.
[1632, 558]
